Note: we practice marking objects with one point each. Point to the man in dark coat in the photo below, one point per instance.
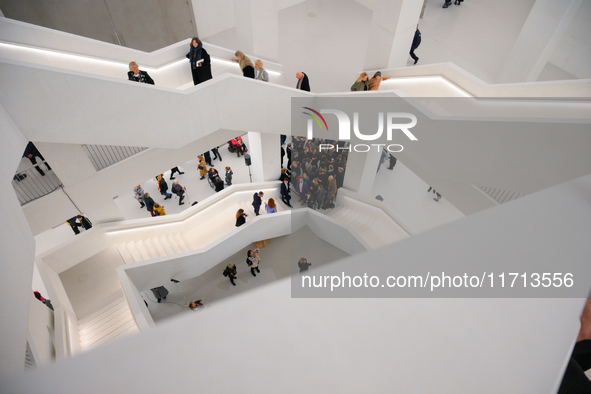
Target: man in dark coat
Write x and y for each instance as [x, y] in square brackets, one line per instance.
[257, 201]
[179, 191]
[285, 197]
[303, 83]
[79, 221]
[219, 184]
[32, 153]
[415, 44]
[138, 76]
[207, 158]
[149, 201]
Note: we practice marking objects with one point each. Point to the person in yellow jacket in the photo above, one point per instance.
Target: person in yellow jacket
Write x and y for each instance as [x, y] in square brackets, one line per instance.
[202, 166]
[159, 209]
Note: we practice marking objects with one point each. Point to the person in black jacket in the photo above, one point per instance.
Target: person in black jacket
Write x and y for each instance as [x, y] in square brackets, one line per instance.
[179, 191]
[257, 201]
[285, 197]
[240, 217]
[303, 82]
[415, 44]
[138, 76]
[149, 201]
[163, 187]
[200, 61]
[230, 272]
[79, 221]
[32, 153]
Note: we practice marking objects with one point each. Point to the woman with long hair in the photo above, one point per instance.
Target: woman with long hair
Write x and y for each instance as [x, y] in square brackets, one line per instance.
[245, 64]
[200, 61]
[270, 206]
[240, 217]
[361, 84]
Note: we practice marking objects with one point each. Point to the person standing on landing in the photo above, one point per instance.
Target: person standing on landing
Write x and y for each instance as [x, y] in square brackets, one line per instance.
[138, 76]
[231, 272]
[361, 84]
[253, 261]
[376, 80]
[200, 61]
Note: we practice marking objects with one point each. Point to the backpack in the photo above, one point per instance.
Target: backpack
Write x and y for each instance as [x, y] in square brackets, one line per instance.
[248, 262]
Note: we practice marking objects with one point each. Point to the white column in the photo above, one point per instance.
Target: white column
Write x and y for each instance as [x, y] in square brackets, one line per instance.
[265, 153]
[392, 30]
[541, 33]
[255, 150]
[361, 171]
[257, 28]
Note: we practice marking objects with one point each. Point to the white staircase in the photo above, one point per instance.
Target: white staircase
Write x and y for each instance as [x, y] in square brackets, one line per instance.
[151, 248]
[376, 233]
[111, 322]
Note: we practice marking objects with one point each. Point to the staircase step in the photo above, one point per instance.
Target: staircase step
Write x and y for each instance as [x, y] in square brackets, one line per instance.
[114, 331]
[111, 301]
[101, 314]
[137, 257]
[158, 246]
[122, 248]
[150, 248]
[173, 244]
[181, 242]
[98, 329]
[166, 245]
[141, 247]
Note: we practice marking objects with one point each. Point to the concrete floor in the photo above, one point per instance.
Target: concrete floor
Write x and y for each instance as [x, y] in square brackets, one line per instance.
[278, 260]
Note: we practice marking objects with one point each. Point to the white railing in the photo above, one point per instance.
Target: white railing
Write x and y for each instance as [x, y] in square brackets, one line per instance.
[34, 182]
[103, 156]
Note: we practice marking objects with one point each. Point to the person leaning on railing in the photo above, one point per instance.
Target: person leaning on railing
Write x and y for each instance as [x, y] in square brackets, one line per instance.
[32, 153]
[361, 84]
[245, 64]
[138, 76]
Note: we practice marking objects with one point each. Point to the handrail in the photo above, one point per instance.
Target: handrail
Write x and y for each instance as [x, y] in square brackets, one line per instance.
[33, 36]
[30, 185]
[567, 89]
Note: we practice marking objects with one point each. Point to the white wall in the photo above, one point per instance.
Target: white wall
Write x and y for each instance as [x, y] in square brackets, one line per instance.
[40, 341]
[573, 53]
[17, 250]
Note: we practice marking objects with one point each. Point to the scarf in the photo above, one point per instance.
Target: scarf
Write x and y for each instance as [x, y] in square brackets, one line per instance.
[196, 54]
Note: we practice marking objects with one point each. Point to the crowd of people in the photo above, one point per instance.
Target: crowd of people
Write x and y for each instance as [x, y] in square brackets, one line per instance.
[205, 172]
[315, 176]
[200, 63]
